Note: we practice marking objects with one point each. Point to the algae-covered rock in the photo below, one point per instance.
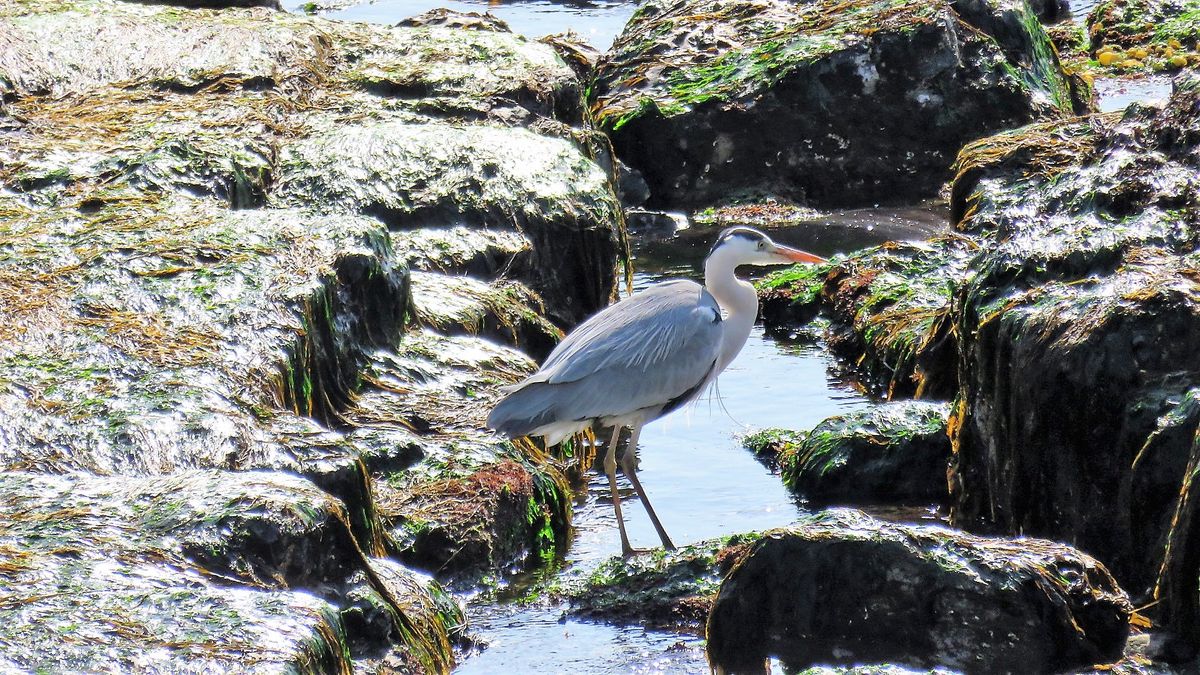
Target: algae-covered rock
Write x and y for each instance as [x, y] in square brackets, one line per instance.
[150, 333]
[843, 588]
[456, 500]
[484, 177]
[1134, 36]
[1145, 23]
[891, 453]
[825, 102]
[671, 589]
[888, 309]
[1079, 323]
[107, 573]
[172, 301]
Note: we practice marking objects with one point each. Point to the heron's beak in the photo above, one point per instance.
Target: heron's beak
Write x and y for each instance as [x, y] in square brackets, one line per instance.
[796, 255]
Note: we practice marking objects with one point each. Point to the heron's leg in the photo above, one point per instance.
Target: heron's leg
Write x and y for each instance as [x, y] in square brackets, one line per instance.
[629, 466]
[610, 468]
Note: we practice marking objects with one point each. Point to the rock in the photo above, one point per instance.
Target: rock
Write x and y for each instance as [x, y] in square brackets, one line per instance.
[505, 311]
[107, 572]
[664, 589]
[456, 501]
[500, 514]
[449, 18]
[891, 453]
[184, 326]
[217, 4]
[821, 102]
[1144, 23]
[174, 303]
[1051, 11]
[484, 254]
[631, 187]
[480, 177]
[1078, 323]
[575, 51]
[843, 588]
[657, 224]
[888, 308]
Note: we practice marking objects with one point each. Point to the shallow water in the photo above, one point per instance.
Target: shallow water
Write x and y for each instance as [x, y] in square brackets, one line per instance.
[596, 21]
[1115, 94]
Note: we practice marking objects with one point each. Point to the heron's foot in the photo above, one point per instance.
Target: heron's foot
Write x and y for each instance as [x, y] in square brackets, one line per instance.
[629, 551]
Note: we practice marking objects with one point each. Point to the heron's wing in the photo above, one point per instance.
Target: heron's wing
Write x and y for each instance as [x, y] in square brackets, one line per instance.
[669, 331]
[654, 350]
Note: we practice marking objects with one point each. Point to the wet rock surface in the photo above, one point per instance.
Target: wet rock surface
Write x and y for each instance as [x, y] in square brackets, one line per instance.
[843, 588]
[888, 308]
[895, 453]
[672, 589]
[190, 572]
[1073, 419]
[208, 221]
[824, 102]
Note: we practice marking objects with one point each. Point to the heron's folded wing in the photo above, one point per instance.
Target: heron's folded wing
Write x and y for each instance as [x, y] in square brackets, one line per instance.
[668, 335]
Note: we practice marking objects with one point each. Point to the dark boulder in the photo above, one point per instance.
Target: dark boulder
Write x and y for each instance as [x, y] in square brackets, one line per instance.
[891, 453]
[824, 102]
[843, 588]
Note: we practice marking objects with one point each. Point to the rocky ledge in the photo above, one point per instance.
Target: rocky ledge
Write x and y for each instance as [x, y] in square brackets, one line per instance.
[233, 248]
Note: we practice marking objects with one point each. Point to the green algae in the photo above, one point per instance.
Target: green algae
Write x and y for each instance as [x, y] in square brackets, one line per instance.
[670, 589]
[893, 453]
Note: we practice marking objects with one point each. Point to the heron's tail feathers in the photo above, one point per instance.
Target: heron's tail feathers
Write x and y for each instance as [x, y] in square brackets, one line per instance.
[524, 410]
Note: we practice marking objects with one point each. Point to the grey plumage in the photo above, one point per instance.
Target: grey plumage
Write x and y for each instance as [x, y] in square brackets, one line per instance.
[642, 358]
[638, 356]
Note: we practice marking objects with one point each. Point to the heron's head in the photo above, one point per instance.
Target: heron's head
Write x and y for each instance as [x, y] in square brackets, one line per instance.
[748, 246]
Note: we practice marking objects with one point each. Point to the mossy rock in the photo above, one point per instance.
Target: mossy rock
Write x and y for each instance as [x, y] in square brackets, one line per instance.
[843, 588]
[1078, 320]
[188, 573]
[482, 177]
[824, 102]
[887, 307]
[333, 69]
[171, 304]
[150, 333]
[505, 311]
[457, 501]
[664, 589]
[893, 453]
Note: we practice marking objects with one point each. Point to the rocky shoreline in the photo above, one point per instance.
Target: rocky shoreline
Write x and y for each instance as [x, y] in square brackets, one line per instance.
[262, 275]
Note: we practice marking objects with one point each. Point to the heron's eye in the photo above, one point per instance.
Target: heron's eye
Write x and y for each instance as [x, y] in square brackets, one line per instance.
[761, 244]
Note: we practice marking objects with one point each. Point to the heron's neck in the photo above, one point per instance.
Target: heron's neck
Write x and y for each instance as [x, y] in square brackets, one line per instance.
[738, 300]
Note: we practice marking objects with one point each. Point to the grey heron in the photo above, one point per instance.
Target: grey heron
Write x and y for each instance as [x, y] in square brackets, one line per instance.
[643, 357]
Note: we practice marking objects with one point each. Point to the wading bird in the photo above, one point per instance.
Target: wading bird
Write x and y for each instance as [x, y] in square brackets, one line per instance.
[644, 357]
